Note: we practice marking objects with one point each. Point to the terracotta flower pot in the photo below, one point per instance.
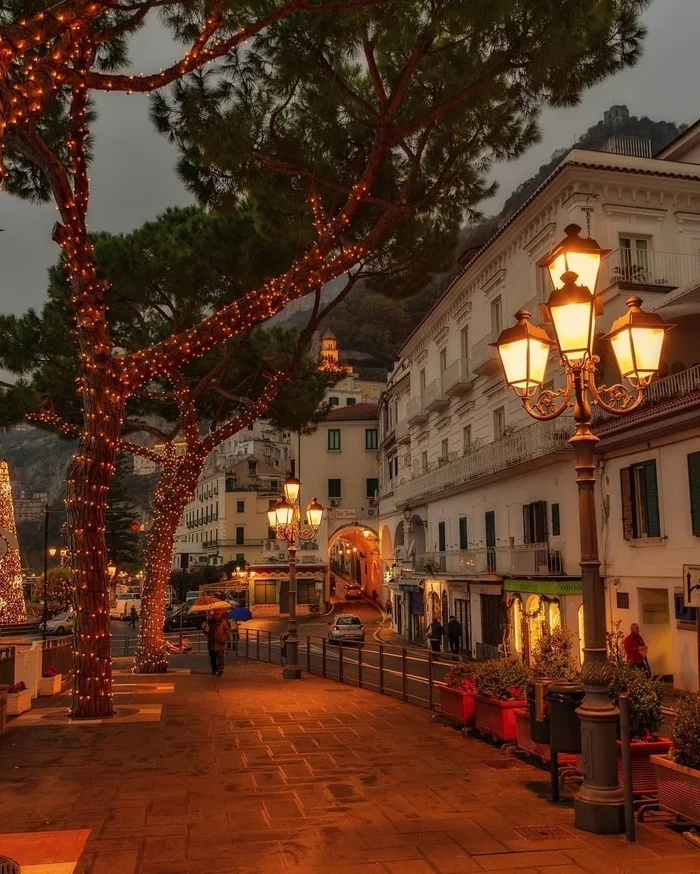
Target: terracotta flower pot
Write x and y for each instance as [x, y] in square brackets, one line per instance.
[457, 704]
[679, 788]
[496, 717]
[50, 685]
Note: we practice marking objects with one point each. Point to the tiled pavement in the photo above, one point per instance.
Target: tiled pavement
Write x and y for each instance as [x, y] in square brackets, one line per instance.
[252, 774]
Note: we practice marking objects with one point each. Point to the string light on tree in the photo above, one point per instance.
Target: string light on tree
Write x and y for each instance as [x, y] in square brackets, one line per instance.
[12, 608]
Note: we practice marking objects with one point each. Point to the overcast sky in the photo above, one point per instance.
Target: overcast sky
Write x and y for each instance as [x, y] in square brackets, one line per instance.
[133, 177]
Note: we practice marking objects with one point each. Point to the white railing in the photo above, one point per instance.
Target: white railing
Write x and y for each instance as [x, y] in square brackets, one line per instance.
[529, 442]
[483, 356]
[434, 397]
[647, 267]
[528, 559]
[456, 378]
[401, 431]
[676, 392]
[415, 409]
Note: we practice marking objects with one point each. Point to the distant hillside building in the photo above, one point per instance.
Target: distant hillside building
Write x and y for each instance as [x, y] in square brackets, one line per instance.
[29, 507]
[616, 116]
[351, 389]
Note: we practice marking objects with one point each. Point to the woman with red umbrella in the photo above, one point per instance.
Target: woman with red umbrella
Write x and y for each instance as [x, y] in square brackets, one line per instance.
[217, 629]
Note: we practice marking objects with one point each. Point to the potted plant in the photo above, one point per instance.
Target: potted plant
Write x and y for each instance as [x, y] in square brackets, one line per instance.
[552, 659]
[457, 693]
[19, 699]
[678, 772]
[500, 686]
[50, 682]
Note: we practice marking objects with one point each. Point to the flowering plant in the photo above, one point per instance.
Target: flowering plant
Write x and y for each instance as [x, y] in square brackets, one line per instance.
[503, 679]
[51, 671]
[461, 677]
[18, 687]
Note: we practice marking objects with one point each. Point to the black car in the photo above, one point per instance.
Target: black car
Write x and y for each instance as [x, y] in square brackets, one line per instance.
[189, 620]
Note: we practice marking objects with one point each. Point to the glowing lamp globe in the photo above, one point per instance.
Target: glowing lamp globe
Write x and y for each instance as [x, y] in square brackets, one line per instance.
[284, 513]
[272, 516]
[52, 551]
[572, 311]
[523, 350]
[314, 514]
[575, 255]
[291, 489]
[637, 339]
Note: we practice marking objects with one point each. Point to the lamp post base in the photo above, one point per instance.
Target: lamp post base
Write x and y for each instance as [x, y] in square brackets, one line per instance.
[599, 817]
[291, 672]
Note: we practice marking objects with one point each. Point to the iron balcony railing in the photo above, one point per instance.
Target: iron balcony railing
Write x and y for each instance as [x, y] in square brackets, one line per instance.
[527, 559]
[532, 441]
[415, 411]
[457, 380]
[484, 358]
[218, 543]
[435, 398]
[646, 267]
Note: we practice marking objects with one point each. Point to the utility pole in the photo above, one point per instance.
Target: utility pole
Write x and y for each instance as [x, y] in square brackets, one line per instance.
[46, 570]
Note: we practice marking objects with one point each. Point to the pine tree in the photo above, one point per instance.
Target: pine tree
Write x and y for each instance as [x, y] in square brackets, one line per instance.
[122, 522]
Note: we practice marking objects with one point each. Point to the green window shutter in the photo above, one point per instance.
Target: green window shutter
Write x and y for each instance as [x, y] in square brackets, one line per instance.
[694, 485]
[527, 523]
[652, 499]
[626, 500]
[442, 542]
[556, 523]
[463, 538]
[539, 514]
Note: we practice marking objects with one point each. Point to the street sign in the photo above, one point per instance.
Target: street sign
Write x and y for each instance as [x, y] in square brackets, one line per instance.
[691, 585]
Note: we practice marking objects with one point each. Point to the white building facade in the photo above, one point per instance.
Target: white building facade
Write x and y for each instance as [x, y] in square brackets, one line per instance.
[478, 503]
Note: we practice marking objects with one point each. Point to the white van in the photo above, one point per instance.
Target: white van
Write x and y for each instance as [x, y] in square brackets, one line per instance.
[121, 609]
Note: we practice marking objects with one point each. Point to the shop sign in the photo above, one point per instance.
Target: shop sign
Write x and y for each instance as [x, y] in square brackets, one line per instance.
[544, 587]
[485, 588]
[691, 585]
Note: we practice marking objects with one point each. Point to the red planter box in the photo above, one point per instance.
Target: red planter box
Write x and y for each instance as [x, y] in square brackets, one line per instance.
[526, 743]
[679, 788]
[495, 717]
[457, 705]
[644, 779]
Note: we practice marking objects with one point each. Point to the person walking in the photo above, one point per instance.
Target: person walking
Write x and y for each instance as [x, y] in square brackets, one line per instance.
[454, 634]
[133, 617]
[435, 634]
[636, 650]
[217, 630]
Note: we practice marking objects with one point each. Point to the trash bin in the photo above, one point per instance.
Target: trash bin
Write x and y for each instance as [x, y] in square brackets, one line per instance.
[538, 707]
[564, 724]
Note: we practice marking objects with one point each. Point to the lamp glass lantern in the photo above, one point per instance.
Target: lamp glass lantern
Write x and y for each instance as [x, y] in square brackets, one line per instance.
[314, 515]
[574, 254]
[637, 340]
[572, 311]
[524, 350]
[291, 489]
[284, 513]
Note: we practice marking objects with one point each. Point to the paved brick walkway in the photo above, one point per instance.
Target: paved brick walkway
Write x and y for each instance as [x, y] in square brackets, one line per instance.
[252, 774]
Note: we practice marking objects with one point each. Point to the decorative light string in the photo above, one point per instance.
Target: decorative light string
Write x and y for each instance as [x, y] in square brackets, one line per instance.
[12, 607]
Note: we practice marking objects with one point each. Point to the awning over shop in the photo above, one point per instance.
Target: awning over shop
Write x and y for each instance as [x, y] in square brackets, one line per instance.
[544, 587]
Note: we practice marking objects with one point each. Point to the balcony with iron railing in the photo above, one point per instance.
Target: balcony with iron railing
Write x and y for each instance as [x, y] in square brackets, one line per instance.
[532, 441]
[435, 399]
[672, 394]
[484, 358]
[646, 269]
[527, 559]
[401, 431]
[219, 543]
[457, 380]
[415, 411]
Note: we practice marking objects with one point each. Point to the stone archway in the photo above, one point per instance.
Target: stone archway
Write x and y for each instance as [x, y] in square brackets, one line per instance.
[354, 553]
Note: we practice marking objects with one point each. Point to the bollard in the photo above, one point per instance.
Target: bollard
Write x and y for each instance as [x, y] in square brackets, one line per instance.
[404, 676]
[246, 643]
[554, 774]
[431, 702]
[257, 644]
[630, 828]
[269, 647]
[359, 666]
[323, 660]
[340, 661]
[381, 668]
[308, 654]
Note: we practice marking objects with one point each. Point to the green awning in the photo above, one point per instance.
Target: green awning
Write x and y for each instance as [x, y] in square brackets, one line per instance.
[544, 587]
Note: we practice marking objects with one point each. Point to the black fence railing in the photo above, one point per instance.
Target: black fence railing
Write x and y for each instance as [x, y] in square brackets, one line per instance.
[7, 665]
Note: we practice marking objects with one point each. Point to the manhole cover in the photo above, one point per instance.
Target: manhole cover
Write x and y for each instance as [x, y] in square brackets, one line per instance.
[542, 832]
[7, 866]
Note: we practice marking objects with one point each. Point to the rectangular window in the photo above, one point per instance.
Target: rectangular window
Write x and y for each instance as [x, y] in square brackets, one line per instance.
[635, 259]
[443, 361]
[240, 535]
[694, 485]
[499, 423]
[556, 524]
[496, 318]
[307, 593]
[334, 439]
[240, 506]
[372, 486]
[424, 460]
[467, 438]
[421, 381]
[390, 463]
[463, 534]
[640, 501]
[265, 592]
[535, 522]
[375, 394]
[349, 402]
[333, 488]
[333, 401]
[464, 348]
[371, 438]
[445, 448]
[442, 539]
[252, 468]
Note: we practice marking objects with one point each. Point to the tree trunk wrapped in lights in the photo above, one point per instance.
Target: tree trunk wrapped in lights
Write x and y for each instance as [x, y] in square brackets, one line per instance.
[12, 609]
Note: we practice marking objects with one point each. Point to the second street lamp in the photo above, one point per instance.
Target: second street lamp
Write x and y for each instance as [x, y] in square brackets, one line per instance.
[636, 339]
[285, 518]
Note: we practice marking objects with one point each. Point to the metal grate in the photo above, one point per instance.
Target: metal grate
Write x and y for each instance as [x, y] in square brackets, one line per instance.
[542, 832]
[7, 866]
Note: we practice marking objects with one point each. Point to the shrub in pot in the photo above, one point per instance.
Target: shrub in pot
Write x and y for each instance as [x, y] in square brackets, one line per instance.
[552, 659]
[678, 773]
[457, 693]
[19, 699]
[500, 685]
[50, 683]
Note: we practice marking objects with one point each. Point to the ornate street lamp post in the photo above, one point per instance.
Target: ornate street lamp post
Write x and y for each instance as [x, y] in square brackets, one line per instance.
[285, 518]
[637, 340]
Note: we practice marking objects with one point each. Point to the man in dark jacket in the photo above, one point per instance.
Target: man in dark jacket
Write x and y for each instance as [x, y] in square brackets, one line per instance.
[435, 634]
[217, 630]
[454, 634]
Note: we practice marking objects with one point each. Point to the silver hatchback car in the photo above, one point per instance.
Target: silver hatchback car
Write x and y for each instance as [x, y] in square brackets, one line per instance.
[347, 628]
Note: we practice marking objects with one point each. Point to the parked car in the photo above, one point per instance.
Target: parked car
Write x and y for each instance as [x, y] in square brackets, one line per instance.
[61, 624]
[353, 591]
[189, 620]
[121, 609]
[346, 627]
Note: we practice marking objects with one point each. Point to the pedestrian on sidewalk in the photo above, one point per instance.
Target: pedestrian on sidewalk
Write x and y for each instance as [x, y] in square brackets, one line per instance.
[435, 634]
[636, 650]
[217, 630]
[454, 634]
[133, 617]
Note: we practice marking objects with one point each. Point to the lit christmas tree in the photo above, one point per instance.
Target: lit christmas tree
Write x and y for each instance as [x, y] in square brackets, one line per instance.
[12, 608]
